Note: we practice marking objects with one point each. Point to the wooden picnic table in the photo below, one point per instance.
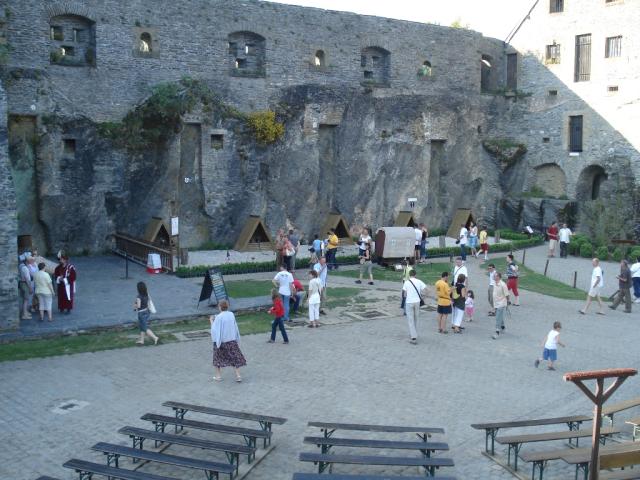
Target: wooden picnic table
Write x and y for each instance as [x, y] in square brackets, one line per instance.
[611, 456]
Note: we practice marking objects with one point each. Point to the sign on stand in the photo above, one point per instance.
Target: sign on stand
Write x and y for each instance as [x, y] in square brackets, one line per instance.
[213, 286]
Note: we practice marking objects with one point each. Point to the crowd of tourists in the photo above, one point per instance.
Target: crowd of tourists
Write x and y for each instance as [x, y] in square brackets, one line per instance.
[36, 285]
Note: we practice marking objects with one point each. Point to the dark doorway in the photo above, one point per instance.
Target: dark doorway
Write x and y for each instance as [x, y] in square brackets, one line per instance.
[512, 71]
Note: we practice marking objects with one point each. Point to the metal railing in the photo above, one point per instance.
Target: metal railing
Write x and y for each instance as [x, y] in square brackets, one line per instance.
[139, 250]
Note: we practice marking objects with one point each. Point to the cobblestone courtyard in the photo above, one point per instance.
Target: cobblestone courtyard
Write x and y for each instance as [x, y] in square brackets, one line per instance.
[351, 372]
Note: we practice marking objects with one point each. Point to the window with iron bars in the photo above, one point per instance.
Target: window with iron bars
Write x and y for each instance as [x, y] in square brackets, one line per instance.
[552, 53]
[613, 47]
[556, 6]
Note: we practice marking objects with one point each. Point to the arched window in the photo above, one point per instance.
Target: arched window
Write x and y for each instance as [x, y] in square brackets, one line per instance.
[425, 69]
[319, 59]
[72, 40]
[145, 43]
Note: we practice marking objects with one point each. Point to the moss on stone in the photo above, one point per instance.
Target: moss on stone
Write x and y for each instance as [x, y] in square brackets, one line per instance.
[506, 150]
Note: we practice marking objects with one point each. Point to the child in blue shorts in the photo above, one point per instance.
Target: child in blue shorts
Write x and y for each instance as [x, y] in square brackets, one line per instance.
[550, 343]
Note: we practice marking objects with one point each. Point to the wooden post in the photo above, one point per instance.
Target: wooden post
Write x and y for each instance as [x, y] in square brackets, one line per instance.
[524, 255]
[575, 279]
[546, 266]
[598, 398]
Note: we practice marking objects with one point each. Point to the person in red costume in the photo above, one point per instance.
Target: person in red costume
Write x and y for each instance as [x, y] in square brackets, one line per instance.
[65, 276]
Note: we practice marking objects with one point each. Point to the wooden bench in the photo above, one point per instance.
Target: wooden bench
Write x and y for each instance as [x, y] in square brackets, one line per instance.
[610, 410]
[611, 456]
[633, 474]
[636, 426]
[491, 429]
[324, 460]
[329, 428]
[86, 470]
[325, 443]
[265, 421]
[333, 476]
[250, 435]
[44, 477]
[233, 452]
[211, 469]
[515, 442]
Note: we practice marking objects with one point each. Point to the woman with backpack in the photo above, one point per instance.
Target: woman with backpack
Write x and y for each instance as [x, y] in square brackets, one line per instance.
[144, 306]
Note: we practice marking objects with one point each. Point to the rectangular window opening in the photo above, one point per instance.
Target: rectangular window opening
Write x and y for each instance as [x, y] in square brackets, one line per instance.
[552, 55]
[217, 141]
[375, 60]
[241, 63]
[368, 74]
[56, 33]
[556, 6]
[69, 146]
[553, 93]
[67, 51]
[582, 71]
[613, 47]
[612, 88]
[363, 61]
[575, 133]
[249, 49]
[78, 34]
[546, 139]
[233, 48]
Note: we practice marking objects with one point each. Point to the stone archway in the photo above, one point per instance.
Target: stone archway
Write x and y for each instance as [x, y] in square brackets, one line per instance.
[590, 181]
[551, 179]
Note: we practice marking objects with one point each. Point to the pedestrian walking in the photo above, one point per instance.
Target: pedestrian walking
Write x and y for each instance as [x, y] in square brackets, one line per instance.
[443, 298]
[416, 244]
[413, 290]
[500, 303]
[284, 281]
[565, 235]
[144, 306]
[550, 346]
[492, 283]
[406, 274]
[364, 241]
[552, 233]
[366, 265]
[595, 288]
[423, 242]
[462, 241]
[459, 296]
[313, 298]
[225, 336]
[316, 249]
[279, 247]
[512, 279]
[25, 286]
[484, 242]
[624, 287]
[277, 310]
[473, 239]
[469, 305]
[44, 291]
[635, 278]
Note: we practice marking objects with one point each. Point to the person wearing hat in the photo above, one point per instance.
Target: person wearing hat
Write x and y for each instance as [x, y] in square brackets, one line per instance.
[65, 277]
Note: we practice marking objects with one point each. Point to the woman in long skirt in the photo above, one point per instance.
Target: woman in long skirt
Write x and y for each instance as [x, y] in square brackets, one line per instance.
[226, 339]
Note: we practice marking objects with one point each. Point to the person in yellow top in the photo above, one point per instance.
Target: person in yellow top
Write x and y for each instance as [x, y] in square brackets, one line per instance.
[484, 246]
[443, 296]
[332, 248]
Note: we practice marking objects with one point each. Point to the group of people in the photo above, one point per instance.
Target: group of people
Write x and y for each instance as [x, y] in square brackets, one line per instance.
[287, 247]
[562, 235]
[36, 285]
[476, 240]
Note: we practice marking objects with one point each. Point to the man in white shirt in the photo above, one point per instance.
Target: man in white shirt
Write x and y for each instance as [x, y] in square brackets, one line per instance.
[413, 290]
[635, 278]
[500, 303]
[565, 237]
[492, 283]
[460, 268]
[321, 268]
[284, 281]
[462, 239]
[595, 287]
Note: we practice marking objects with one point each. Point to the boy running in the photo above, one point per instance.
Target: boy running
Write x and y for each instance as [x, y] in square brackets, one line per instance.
[550, 343]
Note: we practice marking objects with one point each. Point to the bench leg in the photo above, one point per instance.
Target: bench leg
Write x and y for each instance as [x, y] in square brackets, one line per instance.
[327, 433]
[515, 447]
[490, 433]
[211, 474]
[427, 453]
[179, 416]
[234, 460]
[266, 426]
[585, 469]
[160, 426]
[138, 442]
[115, 458]
[573, 426]
[322, 466]
[540, 466]
[84, 475]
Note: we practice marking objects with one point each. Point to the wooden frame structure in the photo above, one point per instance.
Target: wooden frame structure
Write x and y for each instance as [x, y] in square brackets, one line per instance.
[337, 222]
[405, 219]
[462, 216]
[254, 236]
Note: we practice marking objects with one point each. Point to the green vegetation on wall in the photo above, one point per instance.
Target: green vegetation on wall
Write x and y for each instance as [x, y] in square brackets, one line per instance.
[506, 150]
[159, 117]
